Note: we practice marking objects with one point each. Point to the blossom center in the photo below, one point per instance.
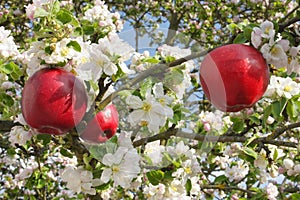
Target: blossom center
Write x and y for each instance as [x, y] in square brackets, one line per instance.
[146, 107]
[287, 88]
[115, 169]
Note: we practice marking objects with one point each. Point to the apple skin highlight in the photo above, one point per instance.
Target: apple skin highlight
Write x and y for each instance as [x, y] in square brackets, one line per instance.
[53, 101]
[234, 77]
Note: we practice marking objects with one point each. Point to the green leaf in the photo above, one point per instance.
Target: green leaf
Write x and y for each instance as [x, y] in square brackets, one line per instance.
[155, 177]
[56, 7]
[188, 186]
[46, 138]
[7, 100]
[75, 45]
[247, 33]
[292, 110]
[220, 179]
[64, 16]
[66, 153]
[7, 68]
[151, 60]
[250, 152]
[267, 113]
[40, 12]
[145, 86]
[278, 107]
[254, 119]
[295, 197]
[88, 29]
[238, 124]
[98, 151]
[240, 39]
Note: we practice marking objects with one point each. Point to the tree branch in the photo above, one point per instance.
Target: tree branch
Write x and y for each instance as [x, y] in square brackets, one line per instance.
[209, 138]
[223, 187]
[277, 132]
[282, 26]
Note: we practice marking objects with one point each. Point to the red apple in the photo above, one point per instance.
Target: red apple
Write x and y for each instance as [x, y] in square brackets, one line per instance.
[234, 77]
[53, 101]
[102, 127]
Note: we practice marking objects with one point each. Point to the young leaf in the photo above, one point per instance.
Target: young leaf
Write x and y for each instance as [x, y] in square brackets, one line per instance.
[155, 177]
[64, 16]
[240, 39]
[75, 45]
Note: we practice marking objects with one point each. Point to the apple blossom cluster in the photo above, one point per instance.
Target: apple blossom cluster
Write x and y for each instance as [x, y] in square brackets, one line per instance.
[282, 87]
[272, 191]
[277, 51]
[151, 112]
[8, 48]
[122, 166]
[188, 171]
[18, 135]
[107, 21]
[214, 121]
[79, 180]
[291, 168]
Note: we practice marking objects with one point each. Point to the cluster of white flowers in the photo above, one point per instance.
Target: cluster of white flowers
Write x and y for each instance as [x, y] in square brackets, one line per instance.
[104, 57]
[282, 87]
[276, 52]
[79, 180]
[105, 19]
[291, 168]
[90, 63]
[18, 135]
[237, 172]
[123, 165]
[213, 120]
[8, 48]
[189, 170]
[153, 111]
[137, 63]
[272, 191]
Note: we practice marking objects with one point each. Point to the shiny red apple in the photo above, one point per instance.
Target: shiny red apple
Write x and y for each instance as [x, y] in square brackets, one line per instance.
[53, 101]
[234, 77]
[102, 127]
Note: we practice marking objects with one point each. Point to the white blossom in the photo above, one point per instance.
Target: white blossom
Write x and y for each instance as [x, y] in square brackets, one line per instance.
[275, 55]
[122, 166]
[148, 112]
[154, 192]
[105, 19]
[8, 48]
[288, 163]
[212, 120]
[267, 28]
[272, 191]
[256, 37]
[18, 135]
[261, 162]
[79, 180]
[154, 151]
[282, 87]
[237, 172]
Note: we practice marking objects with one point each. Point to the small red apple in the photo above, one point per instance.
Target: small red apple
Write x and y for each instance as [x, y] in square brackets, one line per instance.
[53, 101]
[234, 77]
[102, 127]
